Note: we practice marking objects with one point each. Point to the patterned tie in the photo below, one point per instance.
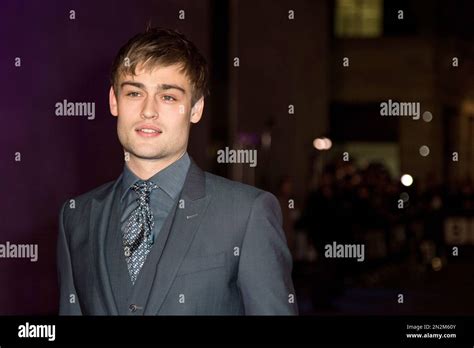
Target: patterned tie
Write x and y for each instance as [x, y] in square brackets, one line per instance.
[138, 237]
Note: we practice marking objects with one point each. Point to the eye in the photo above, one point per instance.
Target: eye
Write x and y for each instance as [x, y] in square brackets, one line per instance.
[133, 94]
[168, 98]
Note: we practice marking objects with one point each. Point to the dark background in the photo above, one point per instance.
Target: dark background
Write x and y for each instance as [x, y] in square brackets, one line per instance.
[282, 62]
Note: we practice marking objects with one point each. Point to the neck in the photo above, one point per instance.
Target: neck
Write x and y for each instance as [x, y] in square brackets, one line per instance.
[146, 168]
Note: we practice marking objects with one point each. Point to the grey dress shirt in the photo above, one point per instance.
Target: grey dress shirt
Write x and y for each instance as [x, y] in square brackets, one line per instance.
[170, 181]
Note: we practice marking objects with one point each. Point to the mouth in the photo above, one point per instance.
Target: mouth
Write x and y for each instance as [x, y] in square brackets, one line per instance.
[148, 131]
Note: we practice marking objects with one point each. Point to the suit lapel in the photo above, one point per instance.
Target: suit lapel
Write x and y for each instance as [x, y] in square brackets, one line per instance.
[104, 217]
[183, 228]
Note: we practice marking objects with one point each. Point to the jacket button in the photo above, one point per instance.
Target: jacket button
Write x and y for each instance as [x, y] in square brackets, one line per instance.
[132, 308]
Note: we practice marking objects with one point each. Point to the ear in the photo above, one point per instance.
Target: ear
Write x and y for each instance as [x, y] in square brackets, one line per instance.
[113, 102]
[196, 111]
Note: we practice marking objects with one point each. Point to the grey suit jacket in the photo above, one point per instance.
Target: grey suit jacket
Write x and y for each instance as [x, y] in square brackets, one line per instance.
[224, 253]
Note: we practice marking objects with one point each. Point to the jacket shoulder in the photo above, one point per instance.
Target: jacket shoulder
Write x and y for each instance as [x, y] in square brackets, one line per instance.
[84, 199]
[97, 192]
[228, 187]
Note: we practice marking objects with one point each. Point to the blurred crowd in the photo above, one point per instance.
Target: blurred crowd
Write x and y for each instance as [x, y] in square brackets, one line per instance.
[349, 201]
[369, 206]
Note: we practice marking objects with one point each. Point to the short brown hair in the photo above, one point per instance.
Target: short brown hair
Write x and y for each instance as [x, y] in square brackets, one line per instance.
[165, 47]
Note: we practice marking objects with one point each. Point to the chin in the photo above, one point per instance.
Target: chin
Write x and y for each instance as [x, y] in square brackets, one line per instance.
[149, 156]
[144, 153]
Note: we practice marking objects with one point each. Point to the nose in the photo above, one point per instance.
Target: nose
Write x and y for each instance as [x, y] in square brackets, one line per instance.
[149, 109]
[147, 116]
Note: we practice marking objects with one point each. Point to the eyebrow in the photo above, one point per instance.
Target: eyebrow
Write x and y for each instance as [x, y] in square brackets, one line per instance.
[163, 86]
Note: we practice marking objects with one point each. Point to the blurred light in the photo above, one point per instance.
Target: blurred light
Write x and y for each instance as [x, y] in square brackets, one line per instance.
[436, 263]
[266, 139]
[319, 144]
[322, 143]
[327, 143]
[406, 180]
[424, 150]
[404, 196]
[427, 116]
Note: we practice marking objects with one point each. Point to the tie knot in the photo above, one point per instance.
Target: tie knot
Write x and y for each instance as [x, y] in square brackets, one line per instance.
[143, 188]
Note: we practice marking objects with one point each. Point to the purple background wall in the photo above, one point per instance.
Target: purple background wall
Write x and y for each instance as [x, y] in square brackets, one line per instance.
[62, 157]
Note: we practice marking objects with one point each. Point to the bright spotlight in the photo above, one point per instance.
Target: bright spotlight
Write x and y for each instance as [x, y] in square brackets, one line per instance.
[406, 180]
[319, 144]
[322, 143]
[327, 143]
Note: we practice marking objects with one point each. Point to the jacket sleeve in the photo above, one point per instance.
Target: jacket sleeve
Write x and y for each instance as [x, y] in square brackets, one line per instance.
[68, 300]
[265, 264]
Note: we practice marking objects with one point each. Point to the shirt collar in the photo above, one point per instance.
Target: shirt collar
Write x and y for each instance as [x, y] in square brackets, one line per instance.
[170, 179]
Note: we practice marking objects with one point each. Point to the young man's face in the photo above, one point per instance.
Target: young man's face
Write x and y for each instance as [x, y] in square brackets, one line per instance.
[154, 113]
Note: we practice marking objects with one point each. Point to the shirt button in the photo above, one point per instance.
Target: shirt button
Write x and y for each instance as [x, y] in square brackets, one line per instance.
[133, 308]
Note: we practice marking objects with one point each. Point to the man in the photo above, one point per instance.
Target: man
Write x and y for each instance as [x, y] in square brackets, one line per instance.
[166, 238]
